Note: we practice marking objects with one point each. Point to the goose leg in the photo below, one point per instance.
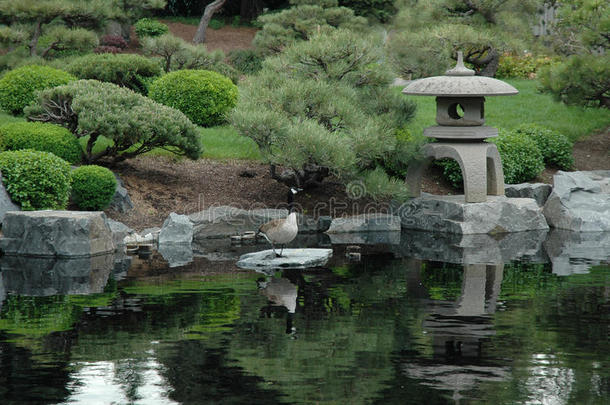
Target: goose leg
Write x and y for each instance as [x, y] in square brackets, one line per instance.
[281, 251]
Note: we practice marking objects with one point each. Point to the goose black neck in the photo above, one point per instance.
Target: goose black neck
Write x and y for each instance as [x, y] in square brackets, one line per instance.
[291, 207]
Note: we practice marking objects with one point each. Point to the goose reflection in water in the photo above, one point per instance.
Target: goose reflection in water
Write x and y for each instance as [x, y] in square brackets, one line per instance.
[281, 293]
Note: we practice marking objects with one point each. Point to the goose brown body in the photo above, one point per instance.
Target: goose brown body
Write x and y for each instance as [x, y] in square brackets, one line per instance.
[281, 230]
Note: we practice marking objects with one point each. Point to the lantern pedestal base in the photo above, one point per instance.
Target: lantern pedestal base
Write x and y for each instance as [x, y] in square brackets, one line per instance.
[479, 161]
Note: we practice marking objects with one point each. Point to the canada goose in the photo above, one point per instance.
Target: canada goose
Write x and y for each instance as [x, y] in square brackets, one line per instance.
[281, 230]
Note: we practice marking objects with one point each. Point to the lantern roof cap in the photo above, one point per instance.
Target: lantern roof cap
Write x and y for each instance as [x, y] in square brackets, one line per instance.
[459, 82]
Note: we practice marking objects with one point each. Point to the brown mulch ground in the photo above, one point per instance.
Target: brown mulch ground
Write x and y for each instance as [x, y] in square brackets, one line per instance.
[226, 38]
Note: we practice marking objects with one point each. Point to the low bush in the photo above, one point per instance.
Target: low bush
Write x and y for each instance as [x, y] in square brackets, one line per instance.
[116, 41]
[18, 87]
[246, 61]
[125, 70]
[131, 123]
[92, 187]
[147, 27]
[202, 95]
[36, 180]
[555, 147]
[580, 80]
[522, 67]
[521, 159]
[42, 137]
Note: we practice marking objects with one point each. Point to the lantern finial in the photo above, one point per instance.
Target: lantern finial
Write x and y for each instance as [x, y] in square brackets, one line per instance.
[460, 69]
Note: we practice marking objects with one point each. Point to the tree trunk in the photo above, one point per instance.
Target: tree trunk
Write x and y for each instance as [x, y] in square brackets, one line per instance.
[35, 36]
[250, 9]
[209, 11]
[492, 65]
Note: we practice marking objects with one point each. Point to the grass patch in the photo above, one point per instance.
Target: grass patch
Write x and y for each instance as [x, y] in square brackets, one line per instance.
[5, 118]
[225, 143]
[528, 107]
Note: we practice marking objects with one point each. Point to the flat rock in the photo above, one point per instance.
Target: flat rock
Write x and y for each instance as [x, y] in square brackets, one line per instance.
[292, 259]
[224, 221]
[538, 191]
[580, 201]
[451, 214]
[366, 238]
[56, 233]
[6, 204]
[575, 252]
[176, 229]
[365, 223]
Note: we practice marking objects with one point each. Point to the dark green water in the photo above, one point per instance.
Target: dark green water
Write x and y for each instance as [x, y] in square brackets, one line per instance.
[382, 331]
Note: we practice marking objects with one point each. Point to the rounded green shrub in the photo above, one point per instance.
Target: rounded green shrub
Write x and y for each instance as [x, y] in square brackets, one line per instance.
[36, 180]
[202, 95]
[18, 87]
[42, 137]
[126, 70]
[522, 160]
[92, 187]
[147, 27]
[555, 147]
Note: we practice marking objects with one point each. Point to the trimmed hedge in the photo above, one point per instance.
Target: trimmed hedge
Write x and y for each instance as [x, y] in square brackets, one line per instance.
[555, 147]
[41, 137]
[36, 180]
[522, 160]
[92, 187]
[147, 27]
[18, 87]
[125, 70]
[202, 95]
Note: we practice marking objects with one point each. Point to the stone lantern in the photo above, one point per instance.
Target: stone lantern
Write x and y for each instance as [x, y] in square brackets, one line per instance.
[460, 133]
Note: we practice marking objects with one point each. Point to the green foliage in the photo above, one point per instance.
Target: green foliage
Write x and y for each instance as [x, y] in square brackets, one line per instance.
[216, 24]
[301, 22]
[380, 10]
[246, 61]
[62, 41]
[323, 107]
[36, 180]
[582, 26]
[203, 96]
[92, 187]
[18, 87]
[522, 160]
[41, 137]
[523, 67]
[178, 54]
[147, 27]
[580, 80]
[126, 70]
[133, 123]
[556, 148]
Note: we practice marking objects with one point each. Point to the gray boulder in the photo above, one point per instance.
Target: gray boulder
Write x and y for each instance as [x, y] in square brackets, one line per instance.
[309, 224]
[6, 204]
[365, 223]
[119, 232]
[580, 201]
[121, 202]
[291, 259]
[451, 214]
[538, 191]
[56, 233]
[366, 238]
[223, 221]
[176, 229]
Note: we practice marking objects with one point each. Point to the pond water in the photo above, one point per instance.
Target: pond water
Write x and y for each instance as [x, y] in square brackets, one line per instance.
[427, 320]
